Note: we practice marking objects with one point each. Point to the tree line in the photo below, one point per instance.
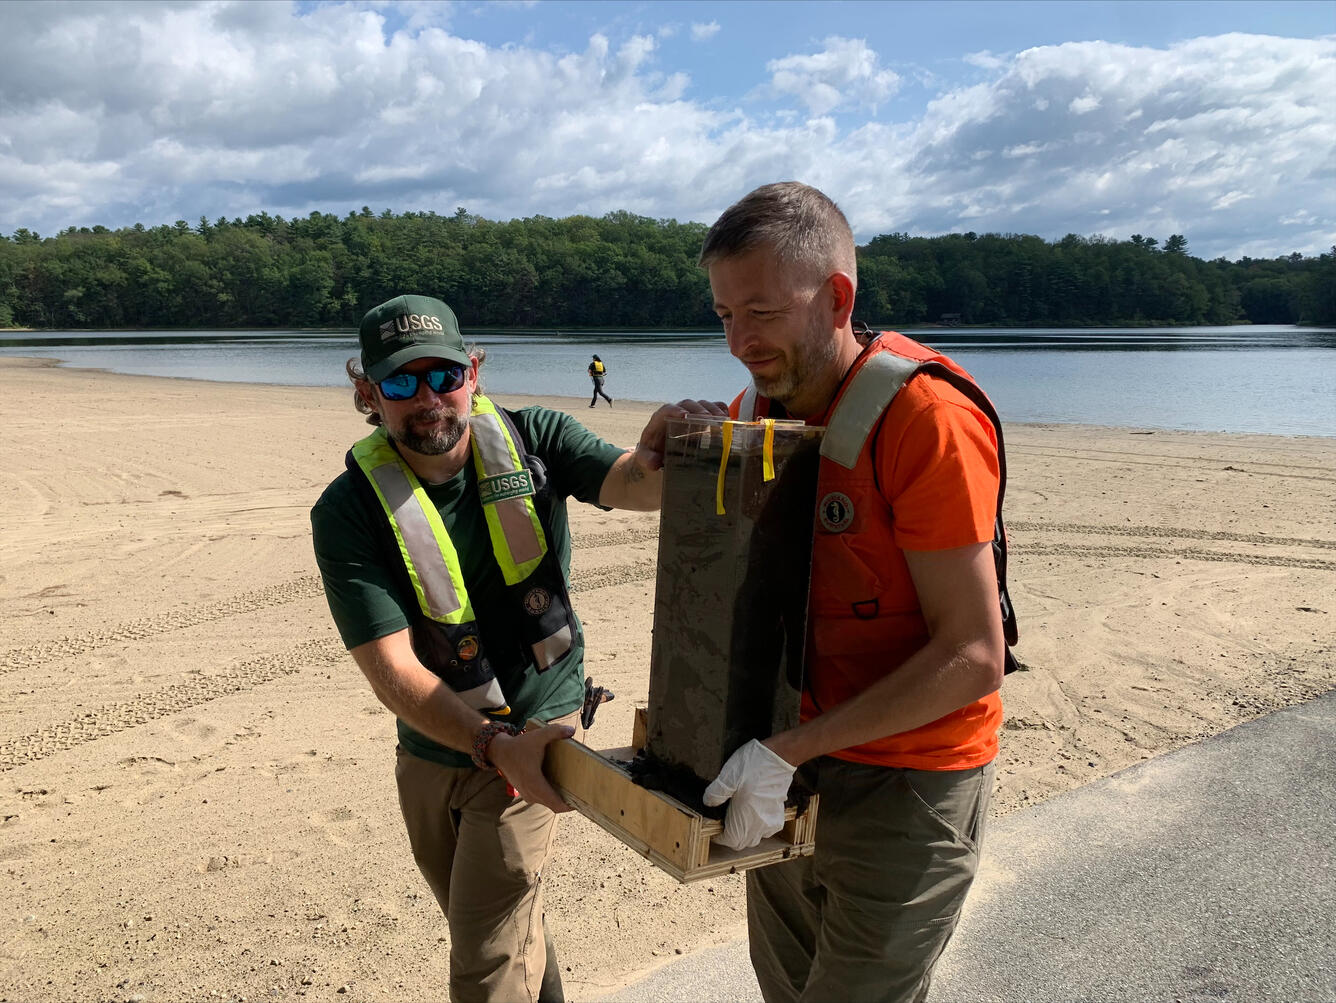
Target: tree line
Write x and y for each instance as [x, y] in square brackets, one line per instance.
[618, 270]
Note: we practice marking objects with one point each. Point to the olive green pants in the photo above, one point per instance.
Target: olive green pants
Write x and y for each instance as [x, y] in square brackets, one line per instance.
[482, 853]
[868, 914]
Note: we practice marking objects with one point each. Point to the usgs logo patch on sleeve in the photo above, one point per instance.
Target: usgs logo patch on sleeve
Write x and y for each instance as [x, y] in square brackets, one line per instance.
[499, 487]
[410, 324]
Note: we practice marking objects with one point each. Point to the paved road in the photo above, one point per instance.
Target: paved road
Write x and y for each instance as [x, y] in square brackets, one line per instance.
[1206, 874]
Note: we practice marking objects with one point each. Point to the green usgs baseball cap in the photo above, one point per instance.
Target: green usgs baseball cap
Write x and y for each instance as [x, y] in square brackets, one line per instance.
[407, 328]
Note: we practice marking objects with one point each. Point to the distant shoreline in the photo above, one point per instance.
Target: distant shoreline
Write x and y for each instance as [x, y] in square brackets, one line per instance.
[582, 331]
[1061, 374]
[630, 405]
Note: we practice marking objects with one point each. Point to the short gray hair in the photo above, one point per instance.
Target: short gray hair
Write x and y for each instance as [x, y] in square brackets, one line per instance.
[798, 223]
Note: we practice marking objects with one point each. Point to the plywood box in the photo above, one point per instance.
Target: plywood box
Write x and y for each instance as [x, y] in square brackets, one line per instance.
[730, 615]
[665, 831]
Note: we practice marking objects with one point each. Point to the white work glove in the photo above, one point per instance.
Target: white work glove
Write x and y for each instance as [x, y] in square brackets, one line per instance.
[757, 782]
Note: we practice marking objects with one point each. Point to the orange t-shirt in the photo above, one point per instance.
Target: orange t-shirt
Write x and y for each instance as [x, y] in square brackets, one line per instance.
[935, 458]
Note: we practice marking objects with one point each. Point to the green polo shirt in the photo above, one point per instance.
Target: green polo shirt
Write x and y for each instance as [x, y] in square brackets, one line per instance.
[369, 598]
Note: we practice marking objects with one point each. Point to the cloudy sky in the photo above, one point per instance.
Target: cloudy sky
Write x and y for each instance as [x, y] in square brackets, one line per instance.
[1215, 120]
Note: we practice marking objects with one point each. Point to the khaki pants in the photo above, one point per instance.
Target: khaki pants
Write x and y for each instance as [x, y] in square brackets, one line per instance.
[868, 914]
[482, 853]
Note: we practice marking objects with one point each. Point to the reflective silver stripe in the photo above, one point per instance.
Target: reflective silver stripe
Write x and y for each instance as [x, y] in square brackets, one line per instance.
[518, 527]
[492, 444]
[552, 647]
[513, 513]
[487, 696]
[875, 384]
[747, 407]
[432, 572]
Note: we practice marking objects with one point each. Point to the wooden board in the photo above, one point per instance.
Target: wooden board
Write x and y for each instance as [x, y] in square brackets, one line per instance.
[657, 826]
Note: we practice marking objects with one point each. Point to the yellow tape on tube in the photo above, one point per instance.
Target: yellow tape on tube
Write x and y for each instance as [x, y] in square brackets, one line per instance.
[723, 467]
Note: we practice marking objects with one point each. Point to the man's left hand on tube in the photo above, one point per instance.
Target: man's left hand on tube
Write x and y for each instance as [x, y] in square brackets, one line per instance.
[755, 782]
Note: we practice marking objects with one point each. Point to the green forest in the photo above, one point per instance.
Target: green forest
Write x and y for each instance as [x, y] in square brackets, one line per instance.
[619, 270]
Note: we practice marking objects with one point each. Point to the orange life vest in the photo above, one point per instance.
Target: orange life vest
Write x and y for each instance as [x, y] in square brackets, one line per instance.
[858, 625]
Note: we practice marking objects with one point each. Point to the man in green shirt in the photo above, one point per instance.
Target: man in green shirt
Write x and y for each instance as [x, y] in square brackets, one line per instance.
[445, 553]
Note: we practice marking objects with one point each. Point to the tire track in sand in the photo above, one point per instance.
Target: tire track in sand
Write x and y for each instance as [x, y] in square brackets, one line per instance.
[180, 618]
[109, 719]
[305, 588]
[596, 541]
[1169, 532]
[1263, 468]
[116, 717]
[1187, 553]
[299, 589]
[617, 574]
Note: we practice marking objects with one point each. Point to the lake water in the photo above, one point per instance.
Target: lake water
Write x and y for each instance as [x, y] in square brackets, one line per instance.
[1269, 379]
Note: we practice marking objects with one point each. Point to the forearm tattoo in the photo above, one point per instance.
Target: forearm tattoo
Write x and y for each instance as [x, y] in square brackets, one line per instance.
[634, 472]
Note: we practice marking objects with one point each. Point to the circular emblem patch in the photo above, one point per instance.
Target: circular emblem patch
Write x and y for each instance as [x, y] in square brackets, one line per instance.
[467, 648]
[836, 512]
[537, 601]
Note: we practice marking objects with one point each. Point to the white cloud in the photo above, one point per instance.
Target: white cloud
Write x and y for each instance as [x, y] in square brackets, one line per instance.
[153, 112]
[845, 72]
[1026, 150]
[1217, 138]
[985, 60]
[1229, 199]
[704, 32]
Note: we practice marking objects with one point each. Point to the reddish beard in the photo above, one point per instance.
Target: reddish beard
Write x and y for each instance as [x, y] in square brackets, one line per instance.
[432, 432]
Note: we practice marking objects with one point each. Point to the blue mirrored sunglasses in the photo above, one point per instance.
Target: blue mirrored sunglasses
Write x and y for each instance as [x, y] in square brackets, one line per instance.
[403, 386]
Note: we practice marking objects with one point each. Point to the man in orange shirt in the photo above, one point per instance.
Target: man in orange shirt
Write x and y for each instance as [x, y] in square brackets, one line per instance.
[905, 637]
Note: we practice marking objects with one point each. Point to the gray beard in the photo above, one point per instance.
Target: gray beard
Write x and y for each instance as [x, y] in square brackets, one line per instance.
[436, 442]
[810, 358]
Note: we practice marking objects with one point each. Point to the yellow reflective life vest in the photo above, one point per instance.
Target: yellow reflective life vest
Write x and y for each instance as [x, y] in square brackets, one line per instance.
[447, 638]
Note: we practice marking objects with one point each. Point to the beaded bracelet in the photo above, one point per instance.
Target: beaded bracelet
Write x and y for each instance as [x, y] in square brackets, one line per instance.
[483, 740]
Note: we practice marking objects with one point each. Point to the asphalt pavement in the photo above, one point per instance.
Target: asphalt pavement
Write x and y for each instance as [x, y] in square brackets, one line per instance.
[1205, 874]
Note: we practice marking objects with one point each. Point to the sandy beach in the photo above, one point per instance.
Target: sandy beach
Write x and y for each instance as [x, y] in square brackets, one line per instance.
[196, 783]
